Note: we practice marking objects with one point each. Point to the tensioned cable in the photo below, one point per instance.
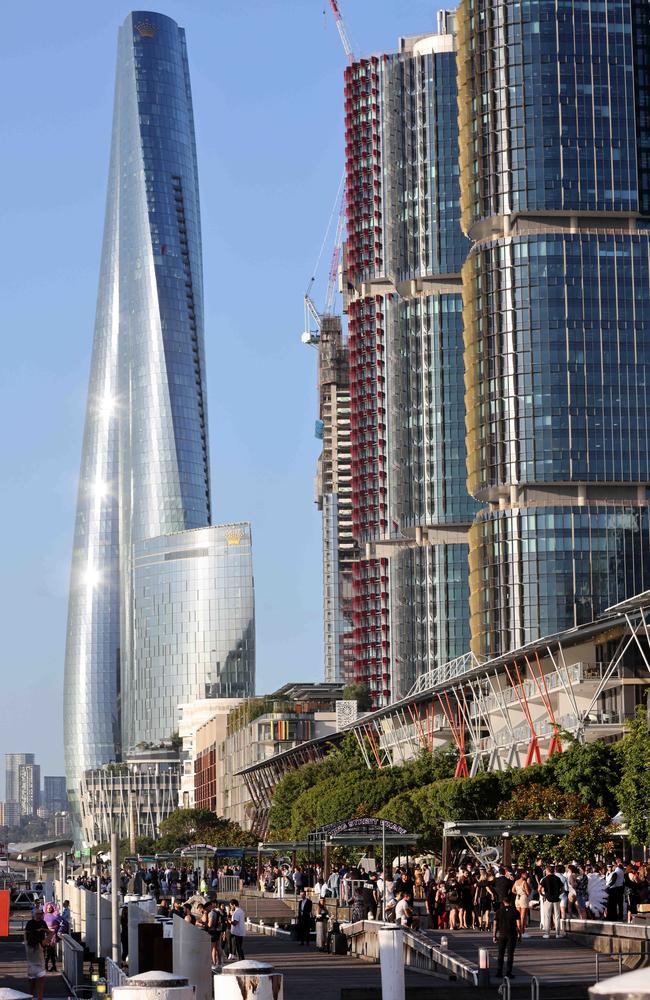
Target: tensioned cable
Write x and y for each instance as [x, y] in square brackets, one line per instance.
[333, 213]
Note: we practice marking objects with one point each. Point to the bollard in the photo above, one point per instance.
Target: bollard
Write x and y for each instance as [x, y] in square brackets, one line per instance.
[155, 986]
[444, 941]
[248, 980]
[483, 967]
[391, 960]
[630, 986]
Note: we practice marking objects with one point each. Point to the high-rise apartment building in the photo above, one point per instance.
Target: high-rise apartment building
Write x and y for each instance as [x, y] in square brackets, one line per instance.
[55, 795]
[410, 506]
[145, 464]
[334, 499]
[554, 105]
[29, 788]
[12, 764]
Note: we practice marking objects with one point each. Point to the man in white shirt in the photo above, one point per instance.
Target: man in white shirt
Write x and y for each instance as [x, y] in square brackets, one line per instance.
[403, 911]
[237, 928]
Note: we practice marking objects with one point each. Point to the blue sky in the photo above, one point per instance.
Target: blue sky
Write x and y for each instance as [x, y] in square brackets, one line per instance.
[267, 88]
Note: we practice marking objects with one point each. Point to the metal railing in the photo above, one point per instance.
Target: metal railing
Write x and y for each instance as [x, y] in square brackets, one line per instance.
[228, 885]
[420, 952]
[73, 961]
[114, 975]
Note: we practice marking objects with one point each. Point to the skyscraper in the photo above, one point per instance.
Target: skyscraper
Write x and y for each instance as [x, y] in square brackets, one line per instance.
[12, 763]
[55, 796]
[410, 506]
[145, 464]
[554, 104]
[29, 788]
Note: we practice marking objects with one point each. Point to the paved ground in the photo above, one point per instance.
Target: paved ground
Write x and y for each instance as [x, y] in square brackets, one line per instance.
[13, 968]
[313, 975]
[553, 960]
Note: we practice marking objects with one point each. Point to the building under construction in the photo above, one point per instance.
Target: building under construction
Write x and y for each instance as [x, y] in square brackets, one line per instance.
[405, 249]
[334, 499]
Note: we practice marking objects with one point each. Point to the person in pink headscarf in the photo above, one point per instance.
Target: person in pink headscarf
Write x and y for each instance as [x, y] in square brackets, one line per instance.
[53, 922]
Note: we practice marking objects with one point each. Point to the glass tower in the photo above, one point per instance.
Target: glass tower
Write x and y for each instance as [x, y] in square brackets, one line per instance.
[410, 506]
[145, 463]
[554, 106]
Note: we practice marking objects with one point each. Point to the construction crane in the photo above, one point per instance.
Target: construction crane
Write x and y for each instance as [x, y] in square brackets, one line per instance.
[312, 315]
[343, 35]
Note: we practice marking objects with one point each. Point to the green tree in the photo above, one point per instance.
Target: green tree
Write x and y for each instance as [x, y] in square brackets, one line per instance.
[188, 826]
[360, 694]
[590, 770]
[634, 789]
[590, 836]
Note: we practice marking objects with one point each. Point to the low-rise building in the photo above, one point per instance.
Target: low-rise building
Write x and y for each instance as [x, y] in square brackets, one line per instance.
[192, 717]
[253, 730]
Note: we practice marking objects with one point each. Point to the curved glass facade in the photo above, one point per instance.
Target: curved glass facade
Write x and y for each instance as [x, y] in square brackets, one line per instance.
[558, 361]
[554, 106]
[547, 106]
[426, 427]
[193, 609]
[539, 570]
[145, 464]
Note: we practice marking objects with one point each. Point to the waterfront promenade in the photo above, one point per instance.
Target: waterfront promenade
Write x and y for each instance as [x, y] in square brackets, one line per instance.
[563, 969]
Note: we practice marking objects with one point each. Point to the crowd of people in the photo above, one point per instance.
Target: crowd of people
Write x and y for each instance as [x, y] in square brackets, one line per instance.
[467, 896]
[169, 880]
[471, 895]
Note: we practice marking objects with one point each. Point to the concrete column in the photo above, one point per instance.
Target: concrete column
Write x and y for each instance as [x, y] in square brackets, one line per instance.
[138, 915]
[248, 981]
[391, 960]
[115, 897]
[191, 957]
[155, 986]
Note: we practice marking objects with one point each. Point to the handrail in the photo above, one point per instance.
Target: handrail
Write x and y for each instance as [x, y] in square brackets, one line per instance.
[115, 976]
[432, 956]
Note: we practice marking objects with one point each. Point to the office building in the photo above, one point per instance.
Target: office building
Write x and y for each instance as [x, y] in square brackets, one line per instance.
[410, 506]
[29, 789]
[555, 180]
[334, 500]
[11, 814]
[131, 798]
[55, 796]
[145, 463]
[194, 609]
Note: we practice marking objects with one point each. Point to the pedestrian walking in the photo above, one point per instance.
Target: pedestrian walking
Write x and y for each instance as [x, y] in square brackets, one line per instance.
[615, 883]
[322, 922]
[550, 891]
[35, 935]
[505, 934]
[237, 928]
[304, 919]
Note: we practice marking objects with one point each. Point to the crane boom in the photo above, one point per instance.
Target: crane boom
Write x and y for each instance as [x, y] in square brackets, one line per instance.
[340, 24]
[334, 264]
